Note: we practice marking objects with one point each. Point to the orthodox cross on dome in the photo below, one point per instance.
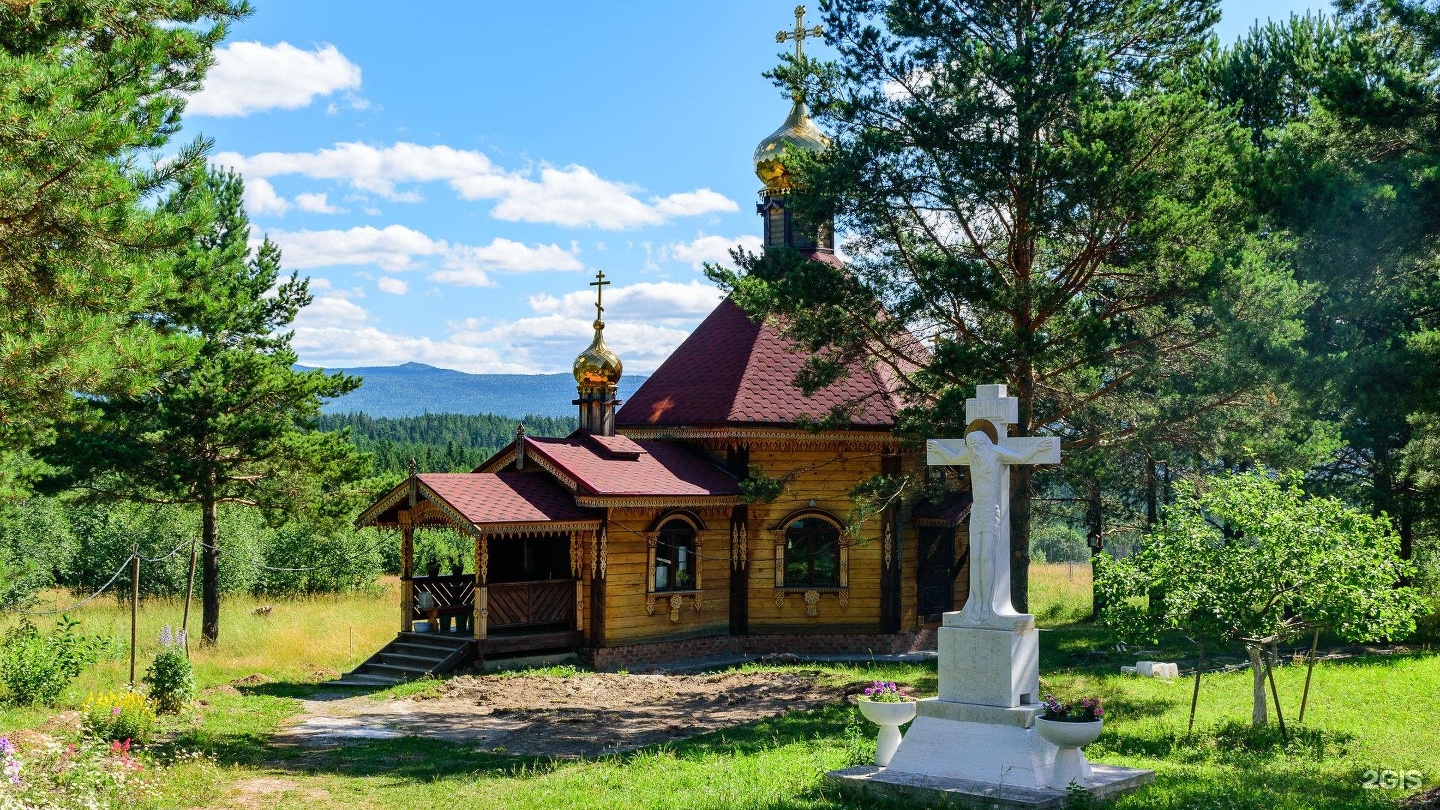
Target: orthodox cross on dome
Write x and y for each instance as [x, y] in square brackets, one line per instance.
[800, 34]
[989, 453]
[599, 284]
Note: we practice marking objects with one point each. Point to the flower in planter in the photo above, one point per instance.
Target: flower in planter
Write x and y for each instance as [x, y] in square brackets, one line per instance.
[886, 692]
[1088, 710]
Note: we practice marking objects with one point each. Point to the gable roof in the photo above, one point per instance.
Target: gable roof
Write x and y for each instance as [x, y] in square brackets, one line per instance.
[509, 496]
[485, 500]
[734, 370]
[613, 466]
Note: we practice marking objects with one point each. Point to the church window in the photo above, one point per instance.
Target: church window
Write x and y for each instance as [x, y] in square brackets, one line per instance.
[675, 557]
[812, 554]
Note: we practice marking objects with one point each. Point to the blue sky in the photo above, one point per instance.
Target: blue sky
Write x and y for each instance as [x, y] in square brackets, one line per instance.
[450, 179]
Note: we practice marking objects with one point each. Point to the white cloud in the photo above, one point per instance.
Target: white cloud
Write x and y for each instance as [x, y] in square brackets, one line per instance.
[466, 265]
[573, 196]
[664, 301]
[393, 248]
[714, 249]
[260, 198]
[394, 286]
[694, 203]
[396, 248]
[644, 324]
[250, 77]
[336, 333]
[316, 204]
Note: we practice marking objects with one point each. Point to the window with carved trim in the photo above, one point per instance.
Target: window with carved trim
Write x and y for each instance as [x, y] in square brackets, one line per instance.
[675, 557]
[812, 554]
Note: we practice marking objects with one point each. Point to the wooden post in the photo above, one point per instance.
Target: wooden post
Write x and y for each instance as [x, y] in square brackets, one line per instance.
[407, 571]
[1309, 671]
[134, 608]
[1270, 671]
[189, 591]
[482, 590]
[1195, 694]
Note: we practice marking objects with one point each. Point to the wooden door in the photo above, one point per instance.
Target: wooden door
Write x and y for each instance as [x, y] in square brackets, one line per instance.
[936, 575]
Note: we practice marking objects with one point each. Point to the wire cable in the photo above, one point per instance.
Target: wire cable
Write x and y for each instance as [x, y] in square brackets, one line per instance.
[103, 588]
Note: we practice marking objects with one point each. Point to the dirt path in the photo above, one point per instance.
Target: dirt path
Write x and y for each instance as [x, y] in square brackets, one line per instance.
[585, 715]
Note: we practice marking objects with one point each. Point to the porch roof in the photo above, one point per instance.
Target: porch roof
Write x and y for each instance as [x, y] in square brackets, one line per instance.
[506, 498]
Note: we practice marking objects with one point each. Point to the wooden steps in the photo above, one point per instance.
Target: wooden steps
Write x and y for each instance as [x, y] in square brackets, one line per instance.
[409, 657]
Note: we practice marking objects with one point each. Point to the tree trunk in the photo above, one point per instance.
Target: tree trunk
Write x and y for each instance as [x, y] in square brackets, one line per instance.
[1020, 538]
[210, 576]
[1257, 668]
[1094, 537]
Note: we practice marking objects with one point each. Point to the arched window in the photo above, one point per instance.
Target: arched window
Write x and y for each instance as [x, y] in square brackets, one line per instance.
[675, 557]
[812, 554]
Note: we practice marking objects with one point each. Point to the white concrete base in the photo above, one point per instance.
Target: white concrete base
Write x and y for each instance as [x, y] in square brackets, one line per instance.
[885, 783]
[966, 741]
[990, 667]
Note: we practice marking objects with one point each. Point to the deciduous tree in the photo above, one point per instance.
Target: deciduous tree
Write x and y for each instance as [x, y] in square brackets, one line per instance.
[1250, 558]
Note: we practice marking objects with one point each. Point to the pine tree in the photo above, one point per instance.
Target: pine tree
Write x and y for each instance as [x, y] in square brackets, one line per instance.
[1036, 192]
[91, 92]
[235, 424]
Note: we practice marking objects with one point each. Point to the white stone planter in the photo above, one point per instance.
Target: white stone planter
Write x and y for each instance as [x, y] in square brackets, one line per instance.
[1069, 738]
[889, 717]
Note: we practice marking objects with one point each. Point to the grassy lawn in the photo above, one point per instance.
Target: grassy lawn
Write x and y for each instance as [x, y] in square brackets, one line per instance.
[1374, 712]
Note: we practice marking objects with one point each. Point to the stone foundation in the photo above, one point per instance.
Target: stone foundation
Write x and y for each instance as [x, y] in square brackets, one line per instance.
[651, 654]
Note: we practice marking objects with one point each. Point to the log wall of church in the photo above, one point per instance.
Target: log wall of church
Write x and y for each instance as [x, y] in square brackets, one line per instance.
[824, 476]
[633, 614]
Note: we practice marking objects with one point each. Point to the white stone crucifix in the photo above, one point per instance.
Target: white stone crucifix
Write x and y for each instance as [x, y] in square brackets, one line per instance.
[989, 453]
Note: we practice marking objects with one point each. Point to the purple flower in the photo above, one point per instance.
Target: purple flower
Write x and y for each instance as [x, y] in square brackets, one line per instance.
[6, 747]
[165, 636]
[115, 712]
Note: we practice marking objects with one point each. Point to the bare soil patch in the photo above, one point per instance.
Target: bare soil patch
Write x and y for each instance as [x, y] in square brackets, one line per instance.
[585, 715]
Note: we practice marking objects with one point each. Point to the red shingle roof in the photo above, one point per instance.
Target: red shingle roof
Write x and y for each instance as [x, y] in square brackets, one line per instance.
[660, 468]
[732, 369]
[509, 496]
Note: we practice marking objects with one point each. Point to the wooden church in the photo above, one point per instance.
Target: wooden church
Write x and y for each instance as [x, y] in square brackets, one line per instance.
[632, 541]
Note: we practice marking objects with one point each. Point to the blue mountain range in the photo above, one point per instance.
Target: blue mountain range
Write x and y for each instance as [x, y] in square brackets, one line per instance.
[415, 388]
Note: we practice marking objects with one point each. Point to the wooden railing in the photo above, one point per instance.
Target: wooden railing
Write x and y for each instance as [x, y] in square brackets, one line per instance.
[454, 593]
[517, 604]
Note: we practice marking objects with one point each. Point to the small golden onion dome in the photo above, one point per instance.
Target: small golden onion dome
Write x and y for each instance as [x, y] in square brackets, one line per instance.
[798, 132]
[597, 366]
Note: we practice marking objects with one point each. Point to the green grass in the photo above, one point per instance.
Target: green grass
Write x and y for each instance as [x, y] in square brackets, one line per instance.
[1375, 712]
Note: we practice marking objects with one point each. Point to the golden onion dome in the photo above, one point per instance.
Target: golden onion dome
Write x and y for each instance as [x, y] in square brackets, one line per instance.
[597, 366]
[798, 132]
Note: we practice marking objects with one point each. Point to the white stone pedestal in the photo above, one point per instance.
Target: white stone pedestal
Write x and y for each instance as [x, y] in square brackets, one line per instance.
[981, 728]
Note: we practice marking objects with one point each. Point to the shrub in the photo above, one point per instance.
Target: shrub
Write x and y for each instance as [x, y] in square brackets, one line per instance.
[170, 677]
[119, 716]
[36, 668]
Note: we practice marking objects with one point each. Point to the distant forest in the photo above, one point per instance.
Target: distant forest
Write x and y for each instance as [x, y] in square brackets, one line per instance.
[439, 442]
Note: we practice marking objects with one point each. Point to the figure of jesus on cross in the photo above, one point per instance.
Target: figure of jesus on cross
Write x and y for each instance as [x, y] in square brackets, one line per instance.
[989, 453]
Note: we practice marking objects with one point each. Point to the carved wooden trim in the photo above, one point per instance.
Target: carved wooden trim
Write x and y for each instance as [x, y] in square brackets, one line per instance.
[812, 603]
[676, 602]
[389, 499]
[697, 502]
[844, 598]
[482, 612]
[604, 550]
[650, 603]
[482, 559]
[887, 541]
[576, 551]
